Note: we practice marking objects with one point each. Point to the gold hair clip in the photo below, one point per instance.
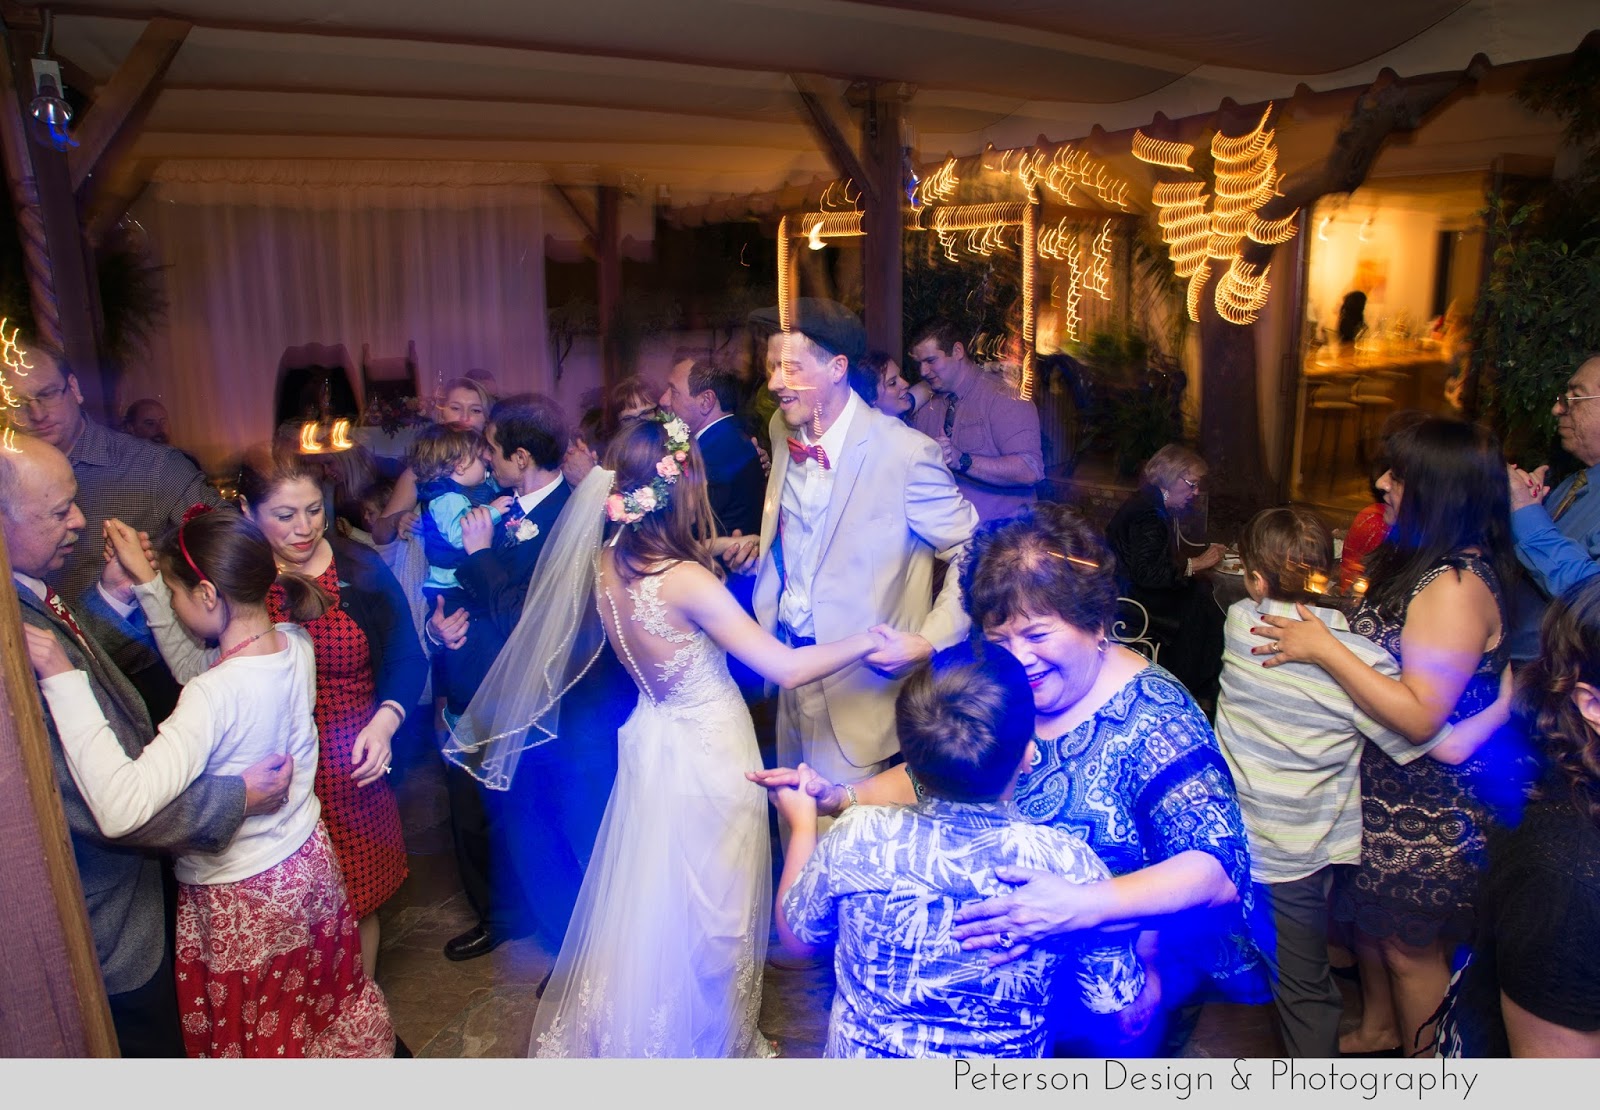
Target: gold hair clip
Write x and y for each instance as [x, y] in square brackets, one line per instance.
[1075, 560]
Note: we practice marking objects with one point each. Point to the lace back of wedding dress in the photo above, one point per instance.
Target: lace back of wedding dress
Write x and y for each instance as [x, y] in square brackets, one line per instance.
[665, 950]
[678, 669]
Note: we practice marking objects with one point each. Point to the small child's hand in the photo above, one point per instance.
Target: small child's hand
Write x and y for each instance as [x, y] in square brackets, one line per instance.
[501, 503]
[477, 530]
[794, 803]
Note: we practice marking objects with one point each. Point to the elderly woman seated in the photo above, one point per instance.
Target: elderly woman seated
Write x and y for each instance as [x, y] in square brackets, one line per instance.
[1124, 759]
[1158, 569]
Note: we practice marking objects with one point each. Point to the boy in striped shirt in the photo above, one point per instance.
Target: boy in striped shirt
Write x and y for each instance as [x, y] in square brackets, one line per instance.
[1292, 738]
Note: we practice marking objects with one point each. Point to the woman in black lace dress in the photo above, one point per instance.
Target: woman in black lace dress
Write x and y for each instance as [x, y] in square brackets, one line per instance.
[1436, 604]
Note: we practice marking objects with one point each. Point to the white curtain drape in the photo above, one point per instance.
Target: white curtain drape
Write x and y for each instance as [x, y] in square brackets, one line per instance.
[263, 256]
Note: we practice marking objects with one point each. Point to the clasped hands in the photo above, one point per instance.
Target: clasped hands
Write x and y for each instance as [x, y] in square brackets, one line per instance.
[1527, 488]
[130, 560]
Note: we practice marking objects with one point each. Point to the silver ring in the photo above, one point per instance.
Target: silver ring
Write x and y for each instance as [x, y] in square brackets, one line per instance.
[1275, 647]
[387, 767]
[1005, 938]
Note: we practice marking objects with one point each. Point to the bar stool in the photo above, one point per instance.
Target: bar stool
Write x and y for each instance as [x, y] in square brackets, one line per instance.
[1370, 395]
[1331, 404]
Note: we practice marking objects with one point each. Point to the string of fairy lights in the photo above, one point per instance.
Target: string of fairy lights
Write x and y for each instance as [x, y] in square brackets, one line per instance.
[1200, 230]
[1205, 232]
[14, 357]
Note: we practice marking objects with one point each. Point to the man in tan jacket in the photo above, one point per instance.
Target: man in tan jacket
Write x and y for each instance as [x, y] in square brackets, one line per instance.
[857, 508]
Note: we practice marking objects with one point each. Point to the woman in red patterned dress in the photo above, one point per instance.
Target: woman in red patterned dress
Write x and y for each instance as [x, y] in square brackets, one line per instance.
[370, 670]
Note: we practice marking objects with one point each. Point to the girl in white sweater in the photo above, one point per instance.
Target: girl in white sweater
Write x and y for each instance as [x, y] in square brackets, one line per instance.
[268, 960]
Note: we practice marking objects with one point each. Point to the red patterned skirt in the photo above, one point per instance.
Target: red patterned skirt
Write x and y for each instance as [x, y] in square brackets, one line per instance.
[270, 966]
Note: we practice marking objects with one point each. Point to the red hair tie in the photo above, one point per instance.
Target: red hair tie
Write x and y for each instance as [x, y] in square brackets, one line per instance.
[189, 514]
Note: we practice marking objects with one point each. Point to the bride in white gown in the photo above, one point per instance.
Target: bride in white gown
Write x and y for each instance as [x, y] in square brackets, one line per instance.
[665, 951]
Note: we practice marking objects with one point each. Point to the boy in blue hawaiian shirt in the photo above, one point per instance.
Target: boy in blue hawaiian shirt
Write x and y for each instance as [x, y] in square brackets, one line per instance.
[885, 882]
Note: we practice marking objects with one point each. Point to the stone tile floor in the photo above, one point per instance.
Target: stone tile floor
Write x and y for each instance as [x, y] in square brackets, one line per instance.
[485, 1007]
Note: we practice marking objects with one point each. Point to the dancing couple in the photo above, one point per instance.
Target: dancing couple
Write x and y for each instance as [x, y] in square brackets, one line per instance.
[665, 951]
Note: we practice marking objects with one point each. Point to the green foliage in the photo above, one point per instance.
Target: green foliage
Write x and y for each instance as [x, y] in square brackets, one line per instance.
[983, 293]
[1144, 421]
[1537, 317]
[1158, 291]
[1140, 415]
[133, 302]
[1536, 321]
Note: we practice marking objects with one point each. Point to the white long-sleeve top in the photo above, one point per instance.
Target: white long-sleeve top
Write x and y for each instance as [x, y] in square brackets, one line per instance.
[229, 717]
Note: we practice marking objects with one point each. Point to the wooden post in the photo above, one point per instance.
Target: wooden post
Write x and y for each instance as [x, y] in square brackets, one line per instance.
[52, 999]
[884, 254]
[59, 282]
[608, 232]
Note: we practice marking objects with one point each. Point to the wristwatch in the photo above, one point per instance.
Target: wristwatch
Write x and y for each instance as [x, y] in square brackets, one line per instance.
[963, 463]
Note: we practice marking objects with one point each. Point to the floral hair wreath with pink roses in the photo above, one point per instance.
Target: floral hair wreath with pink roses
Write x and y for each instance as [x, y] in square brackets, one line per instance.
[631, 507]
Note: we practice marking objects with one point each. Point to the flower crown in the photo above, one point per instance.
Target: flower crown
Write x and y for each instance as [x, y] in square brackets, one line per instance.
[631, 507]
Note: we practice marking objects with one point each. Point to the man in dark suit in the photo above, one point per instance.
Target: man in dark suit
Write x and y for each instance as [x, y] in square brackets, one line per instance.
[121, 878]
[705, 396]
[520, 852]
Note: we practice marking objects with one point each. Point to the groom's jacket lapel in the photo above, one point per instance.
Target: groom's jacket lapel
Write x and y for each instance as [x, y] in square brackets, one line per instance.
[857, 436]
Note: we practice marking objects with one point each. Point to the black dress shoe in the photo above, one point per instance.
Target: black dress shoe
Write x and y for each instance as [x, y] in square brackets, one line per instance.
[476, 941]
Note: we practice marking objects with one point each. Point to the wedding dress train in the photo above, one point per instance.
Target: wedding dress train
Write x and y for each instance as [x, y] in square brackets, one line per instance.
[665, 952]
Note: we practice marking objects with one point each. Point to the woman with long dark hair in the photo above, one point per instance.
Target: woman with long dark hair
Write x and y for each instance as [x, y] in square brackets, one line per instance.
[1435, 602]
[1532, 987]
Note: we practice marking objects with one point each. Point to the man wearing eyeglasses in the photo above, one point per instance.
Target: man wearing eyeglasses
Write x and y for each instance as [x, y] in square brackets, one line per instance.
[146, 485]
[1557, 532]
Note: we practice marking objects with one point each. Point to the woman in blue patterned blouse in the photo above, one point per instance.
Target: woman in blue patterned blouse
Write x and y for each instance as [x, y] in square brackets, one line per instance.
[1125, 759]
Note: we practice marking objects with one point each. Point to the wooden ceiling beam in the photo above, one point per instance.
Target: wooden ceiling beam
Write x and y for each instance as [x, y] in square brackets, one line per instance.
[123, 185]
[829, 132]
[117, 114]
[591, 241]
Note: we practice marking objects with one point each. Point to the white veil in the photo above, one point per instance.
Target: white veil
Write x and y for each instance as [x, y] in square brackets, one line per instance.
[557, 639]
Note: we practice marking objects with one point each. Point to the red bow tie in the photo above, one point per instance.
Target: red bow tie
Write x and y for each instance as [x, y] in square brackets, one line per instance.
[799, 452]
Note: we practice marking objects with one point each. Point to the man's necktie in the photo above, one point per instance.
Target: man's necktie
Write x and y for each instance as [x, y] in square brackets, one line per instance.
[508, 524]
[949, 415]
[800, 452]
[59, 608]
[1578, 485]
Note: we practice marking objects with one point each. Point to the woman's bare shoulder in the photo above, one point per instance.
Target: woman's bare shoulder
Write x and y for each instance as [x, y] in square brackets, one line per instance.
[1454, 598]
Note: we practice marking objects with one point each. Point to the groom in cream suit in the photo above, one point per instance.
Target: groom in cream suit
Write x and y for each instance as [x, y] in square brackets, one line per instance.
[857, 508]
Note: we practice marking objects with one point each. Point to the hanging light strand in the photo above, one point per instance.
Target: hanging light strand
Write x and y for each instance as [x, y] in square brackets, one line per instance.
[15, 359]
[1100, 263]
[1242, 292]
[941, 183]
[1158, 152]
[1070, 319]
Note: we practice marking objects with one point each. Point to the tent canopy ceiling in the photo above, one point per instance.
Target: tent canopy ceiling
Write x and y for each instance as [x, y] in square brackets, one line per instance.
[696, 95]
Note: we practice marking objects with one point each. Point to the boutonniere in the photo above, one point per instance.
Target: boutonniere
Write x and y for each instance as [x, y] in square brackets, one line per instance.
[522, 529]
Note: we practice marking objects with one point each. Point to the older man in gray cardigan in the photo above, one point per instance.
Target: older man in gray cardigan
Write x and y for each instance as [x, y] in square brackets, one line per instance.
[121, 878]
